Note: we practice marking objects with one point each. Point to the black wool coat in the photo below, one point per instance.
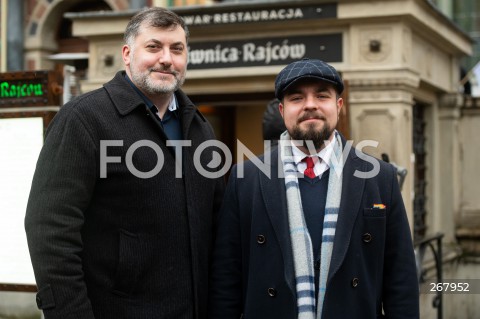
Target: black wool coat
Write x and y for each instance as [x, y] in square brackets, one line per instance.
[106, 242]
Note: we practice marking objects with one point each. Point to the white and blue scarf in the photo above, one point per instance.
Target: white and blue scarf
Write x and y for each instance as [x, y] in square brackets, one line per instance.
[301, 242]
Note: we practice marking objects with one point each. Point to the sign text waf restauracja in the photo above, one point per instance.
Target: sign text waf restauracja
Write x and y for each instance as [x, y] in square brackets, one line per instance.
[259, 13]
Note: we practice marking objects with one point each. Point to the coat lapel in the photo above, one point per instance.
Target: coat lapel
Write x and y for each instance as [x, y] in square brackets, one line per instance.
[187, 112]
[274, 196]
[352, 192]
[127, 100]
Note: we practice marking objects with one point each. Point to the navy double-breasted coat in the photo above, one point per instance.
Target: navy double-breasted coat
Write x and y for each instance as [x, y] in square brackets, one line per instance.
[372, 266]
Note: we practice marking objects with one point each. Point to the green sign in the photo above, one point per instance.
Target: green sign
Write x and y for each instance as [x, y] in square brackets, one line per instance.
[20, 90]
[30, 88]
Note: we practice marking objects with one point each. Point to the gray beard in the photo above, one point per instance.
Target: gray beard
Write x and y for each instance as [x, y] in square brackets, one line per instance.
[145, 84]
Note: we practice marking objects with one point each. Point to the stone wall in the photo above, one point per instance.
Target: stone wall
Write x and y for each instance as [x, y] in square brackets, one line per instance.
[18, 305]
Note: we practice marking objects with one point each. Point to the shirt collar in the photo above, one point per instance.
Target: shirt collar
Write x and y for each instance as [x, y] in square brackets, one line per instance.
[173, 104]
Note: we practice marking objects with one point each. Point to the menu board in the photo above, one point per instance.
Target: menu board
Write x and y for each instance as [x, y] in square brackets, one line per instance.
[20, 142]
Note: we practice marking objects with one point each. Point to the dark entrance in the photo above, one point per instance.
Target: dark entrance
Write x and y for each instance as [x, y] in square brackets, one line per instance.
[419, 173]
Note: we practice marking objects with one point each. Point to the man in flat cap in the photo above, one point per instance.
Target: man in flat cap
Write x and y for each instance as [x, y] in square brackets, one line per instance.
[314, 229]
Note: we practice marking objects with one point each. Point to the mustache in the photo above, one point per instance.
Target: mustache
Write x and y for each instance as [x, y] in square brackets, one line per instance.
[164, 70]
[311, 115]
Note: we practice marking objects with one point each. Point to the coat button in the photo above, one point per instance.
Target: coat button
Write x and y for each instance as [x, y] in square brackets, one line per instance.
[354, 282]
[367, 237]
[261, 239]
[272, 292]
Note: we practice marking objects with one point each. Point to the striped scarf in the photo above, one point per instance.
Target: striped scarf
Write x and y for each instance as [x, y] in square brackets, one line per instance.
[301, 242]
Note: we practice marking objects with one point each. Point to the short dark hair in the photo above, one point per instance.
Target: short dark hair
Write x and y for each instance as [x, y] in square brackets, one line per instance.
[155, 17]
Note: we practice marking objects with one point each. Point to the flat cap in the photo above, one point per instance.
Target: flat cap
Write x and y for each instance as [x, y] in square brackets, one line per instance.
[306, 68]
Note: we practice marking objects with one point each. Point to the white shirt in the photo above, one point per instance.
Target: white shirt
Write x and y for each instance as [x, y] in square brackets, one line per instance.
[320, 160]
[173, 104]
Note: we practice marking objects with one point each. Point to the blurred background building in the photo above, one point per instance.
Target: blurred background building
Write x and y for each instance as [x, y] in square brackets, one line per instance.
[466, 14]
[407, 64]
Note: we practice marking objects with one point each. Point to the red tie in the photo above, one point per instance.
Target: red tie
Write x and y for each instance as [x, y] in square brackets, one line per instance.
[309, 171]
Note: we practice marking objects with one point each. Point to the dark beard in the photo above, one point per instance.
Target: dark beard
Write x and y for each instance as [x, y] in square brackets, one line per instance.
[317, 137]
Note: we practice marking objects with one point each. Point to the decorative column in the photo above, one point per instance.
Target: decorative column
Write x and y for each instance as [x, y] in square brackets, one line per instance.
[467, 215]
[381, 112]
[15, 35]
[449, 162]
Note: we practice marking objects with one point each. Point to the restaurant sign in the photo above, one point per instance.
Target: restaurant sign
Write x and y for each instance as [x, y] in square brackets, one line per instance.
[267, 13]
[264, 52]
[33, 88]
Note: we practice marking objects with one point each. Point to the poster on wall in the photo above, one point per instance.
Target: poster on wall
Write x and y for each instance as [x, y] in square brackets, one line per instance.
[20, 142]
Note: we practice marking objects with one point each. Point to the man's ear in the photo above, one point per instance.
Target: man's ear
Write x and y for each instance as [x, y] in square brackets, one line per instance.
[339, 105]
[126, 54]
[280, 108]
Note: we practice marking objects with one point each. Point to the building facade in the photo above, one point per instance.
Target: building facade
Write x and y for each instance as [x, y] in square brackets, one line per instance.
[401, 61]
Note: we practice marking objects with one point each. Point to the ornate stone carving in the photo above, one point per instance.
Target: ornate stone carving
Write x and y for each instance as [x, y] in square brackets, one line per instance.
[375, 44]
[108, 60]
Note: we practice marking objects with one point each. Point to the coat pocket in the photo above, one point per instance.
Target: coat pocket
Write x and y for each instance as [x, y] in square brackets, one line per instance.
[45, 299]
[129, 263]
[374, 212]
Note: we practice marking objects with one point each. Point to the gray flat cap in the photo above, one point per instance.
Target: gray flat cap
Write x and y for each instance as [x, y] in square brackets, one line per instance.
[306, 68]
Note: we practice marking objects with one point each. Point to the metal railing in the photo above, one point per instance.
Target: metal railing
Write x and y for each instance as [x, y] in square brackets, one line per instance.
[433, 242]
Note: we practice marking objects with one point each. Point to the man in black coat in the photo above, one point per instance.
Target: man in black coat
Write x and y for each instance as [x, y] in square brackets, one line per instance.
[119, 220]
[315, 229]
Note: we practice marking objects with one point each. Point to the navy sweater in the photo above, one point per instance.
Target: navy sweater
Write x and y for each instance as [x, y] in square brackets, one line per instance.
[314, 197]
